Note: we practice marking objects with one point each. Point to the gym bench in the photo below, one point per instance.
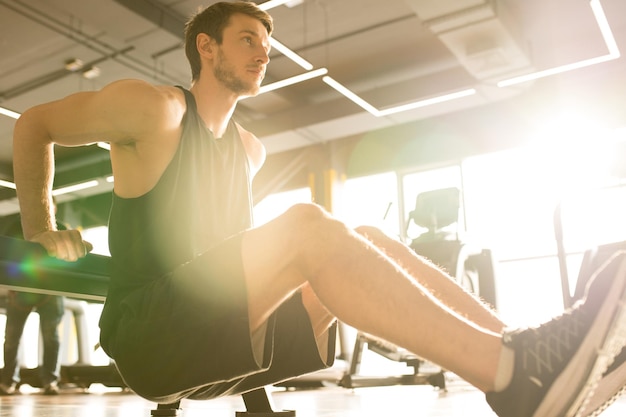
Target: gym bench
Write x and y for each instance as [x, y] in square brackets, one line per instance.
[25, 266]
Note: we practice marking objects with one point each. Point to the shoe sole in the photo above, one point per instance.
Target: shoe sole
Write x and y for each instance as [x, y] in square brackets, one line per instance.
[606, 337]
[609, 389]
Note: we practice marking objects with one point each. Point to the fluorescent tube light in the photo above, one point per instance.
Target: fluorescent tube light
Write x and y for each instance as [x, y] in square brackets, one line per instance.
[272, 3]
[427, 102]
[350, 95]
[75, 187]
[609, 40]
[605, 28]
[293, 80]
[397, 109]
[291, 54]
[9, 113]
[7, 184]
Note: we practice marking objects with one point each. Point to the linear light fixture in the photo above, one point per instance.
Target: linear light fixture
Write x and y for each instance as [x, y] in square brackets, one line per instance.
[272, 3]
[427, 102]
[350, 95]
[104, 145]
[7, 184]
[291, 54]
[396, 109]
[609, 40]
[293, 80]
[75, 187]
[9, 113]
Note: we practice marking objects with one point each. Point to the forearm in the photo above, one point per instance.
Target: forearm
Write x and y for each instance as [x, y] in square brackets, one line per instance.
[33, 169]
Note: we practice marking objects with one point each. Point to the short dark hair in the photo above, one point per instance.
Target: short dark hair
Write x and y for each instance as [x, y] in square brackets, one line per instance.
[212, 21]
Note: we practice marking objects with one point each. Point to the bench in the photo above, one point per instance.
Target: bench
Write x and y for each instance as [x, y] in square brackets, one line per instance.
[25, 266]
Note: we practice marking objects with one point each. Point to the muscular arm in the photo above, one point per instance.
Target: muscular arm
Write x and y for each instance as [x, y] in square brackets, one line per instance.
[121, 114]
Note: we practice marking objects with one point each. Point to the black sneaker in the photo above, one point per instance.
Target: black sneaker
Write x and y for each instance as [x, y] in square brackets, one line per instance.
[558, 364]
[51, 389]
[611, 386]
[10, 389]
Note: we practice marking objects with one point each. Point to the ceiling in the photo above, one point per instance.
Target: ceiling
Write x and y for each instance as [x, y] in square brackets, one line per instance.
[390, 53]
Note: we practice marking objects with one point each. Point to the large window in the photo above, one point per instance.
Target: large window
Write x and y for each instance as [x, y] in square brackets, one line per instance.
[275, 204]
[371, 200]
[509, 204]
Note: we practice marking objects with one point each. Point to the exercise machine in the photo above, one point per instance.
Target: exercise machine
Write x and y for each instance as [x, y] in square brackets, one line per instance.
[25, 266]
[443, 243]
[472, 267]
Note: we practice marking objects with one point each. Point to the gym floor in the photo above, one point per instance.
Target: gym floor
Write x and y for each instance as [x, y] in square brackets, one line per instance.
[459, 399]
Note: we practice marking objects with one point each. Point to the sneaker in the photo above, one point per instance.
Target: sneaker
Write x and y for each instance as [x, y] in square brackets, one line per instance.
[611, 386]
[8, 389]
[51, 389]
[558, 364]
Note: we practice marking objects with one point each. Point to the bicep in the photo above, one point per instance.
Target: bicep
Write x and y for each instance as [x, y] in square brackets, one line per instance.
[113, 114]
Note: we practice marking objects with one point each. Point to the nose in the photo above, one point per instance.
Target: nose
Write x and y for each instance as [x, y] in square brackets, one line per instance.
[264, 57]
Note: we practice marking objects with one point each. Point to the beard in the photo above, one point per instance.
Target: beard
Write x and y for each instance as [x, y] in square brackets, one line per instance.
[225, 73]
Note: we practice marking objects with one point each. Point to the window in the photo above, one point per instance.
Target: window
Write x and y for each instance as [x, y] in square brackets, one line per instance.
[275, 204]
[371, 200]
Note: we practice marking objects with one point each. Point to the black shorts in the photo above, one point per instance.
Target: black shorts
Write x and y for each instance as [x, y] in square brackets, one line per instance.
[187, 335]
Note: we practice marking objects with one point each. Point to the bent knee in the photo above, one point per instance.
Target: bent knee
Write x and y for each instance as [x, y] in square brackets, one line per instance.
[307, 212]
[315, 231]
[314, 220]
[370, 231]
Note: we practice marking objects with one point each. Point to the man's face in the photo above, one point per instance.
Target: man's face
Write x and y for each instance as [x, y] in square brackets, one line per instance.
[242, 57]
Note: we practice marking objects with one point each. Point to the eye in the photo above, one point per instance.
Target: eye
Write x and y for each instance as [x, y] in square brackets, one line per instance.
[248, 40]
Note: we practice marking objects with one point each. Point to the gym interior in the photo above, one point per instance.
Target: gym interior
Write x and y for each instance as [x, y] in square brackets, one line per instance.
[488, 135]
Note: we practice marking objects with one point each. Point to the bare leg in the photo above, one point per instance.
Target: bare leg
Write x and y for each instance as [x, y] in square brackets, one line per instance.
[364, 288]
[432, 278]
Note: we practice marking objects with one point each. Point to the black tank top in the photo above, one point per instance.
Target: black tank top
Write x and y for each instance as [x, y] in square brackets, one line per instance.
[203, 197]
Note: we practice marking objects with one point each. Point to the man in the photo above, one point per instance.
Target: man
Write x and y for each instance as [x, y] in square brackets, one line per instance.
[51, 309]
[202, 305]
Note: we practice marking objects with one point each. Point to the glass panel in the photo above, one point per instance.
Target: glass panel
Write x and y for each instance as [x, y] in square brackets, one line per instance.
[371, 200]
[275, 204]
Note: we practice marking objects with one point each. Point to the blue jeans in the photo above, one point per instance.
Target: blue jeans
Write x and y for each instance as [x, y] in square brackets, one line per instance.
[50, 310]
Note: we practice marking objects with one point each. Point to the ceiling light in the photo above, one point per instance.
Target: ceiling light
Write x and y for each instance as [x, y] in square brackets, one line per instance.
[73, 64]
[7, 184]
[397, 109]
[273, 3]
[294, 3]
[9, 113]
[427, 102]
[349, 94]
[75, 187]
[291, 54]
[293, 80]
[91, 73]
[609, 40]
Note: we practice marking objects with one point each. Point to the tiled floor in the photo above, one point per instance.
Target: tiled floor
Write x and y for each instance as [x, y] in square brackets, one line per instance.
[424, 401]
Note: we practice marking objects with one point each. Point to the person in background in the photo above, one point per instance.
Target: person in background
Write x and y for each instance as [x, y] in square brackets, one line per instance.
[19, 306]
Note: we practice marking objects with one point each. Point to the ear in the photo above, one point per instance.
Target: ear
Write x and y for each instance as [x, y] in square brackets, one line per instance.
[204, 44]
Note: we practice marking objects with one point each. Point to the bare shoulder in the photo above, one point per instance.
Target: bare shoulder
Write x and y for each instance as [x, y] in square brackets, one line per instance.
[146, 104]
[119, 111]
[254, 148]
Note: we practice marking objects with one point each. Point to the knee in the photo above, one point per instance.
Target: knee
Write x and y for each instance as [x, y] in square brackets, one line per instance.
[314, 229]
[309, 219]
[369, 231]
[307, 212]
